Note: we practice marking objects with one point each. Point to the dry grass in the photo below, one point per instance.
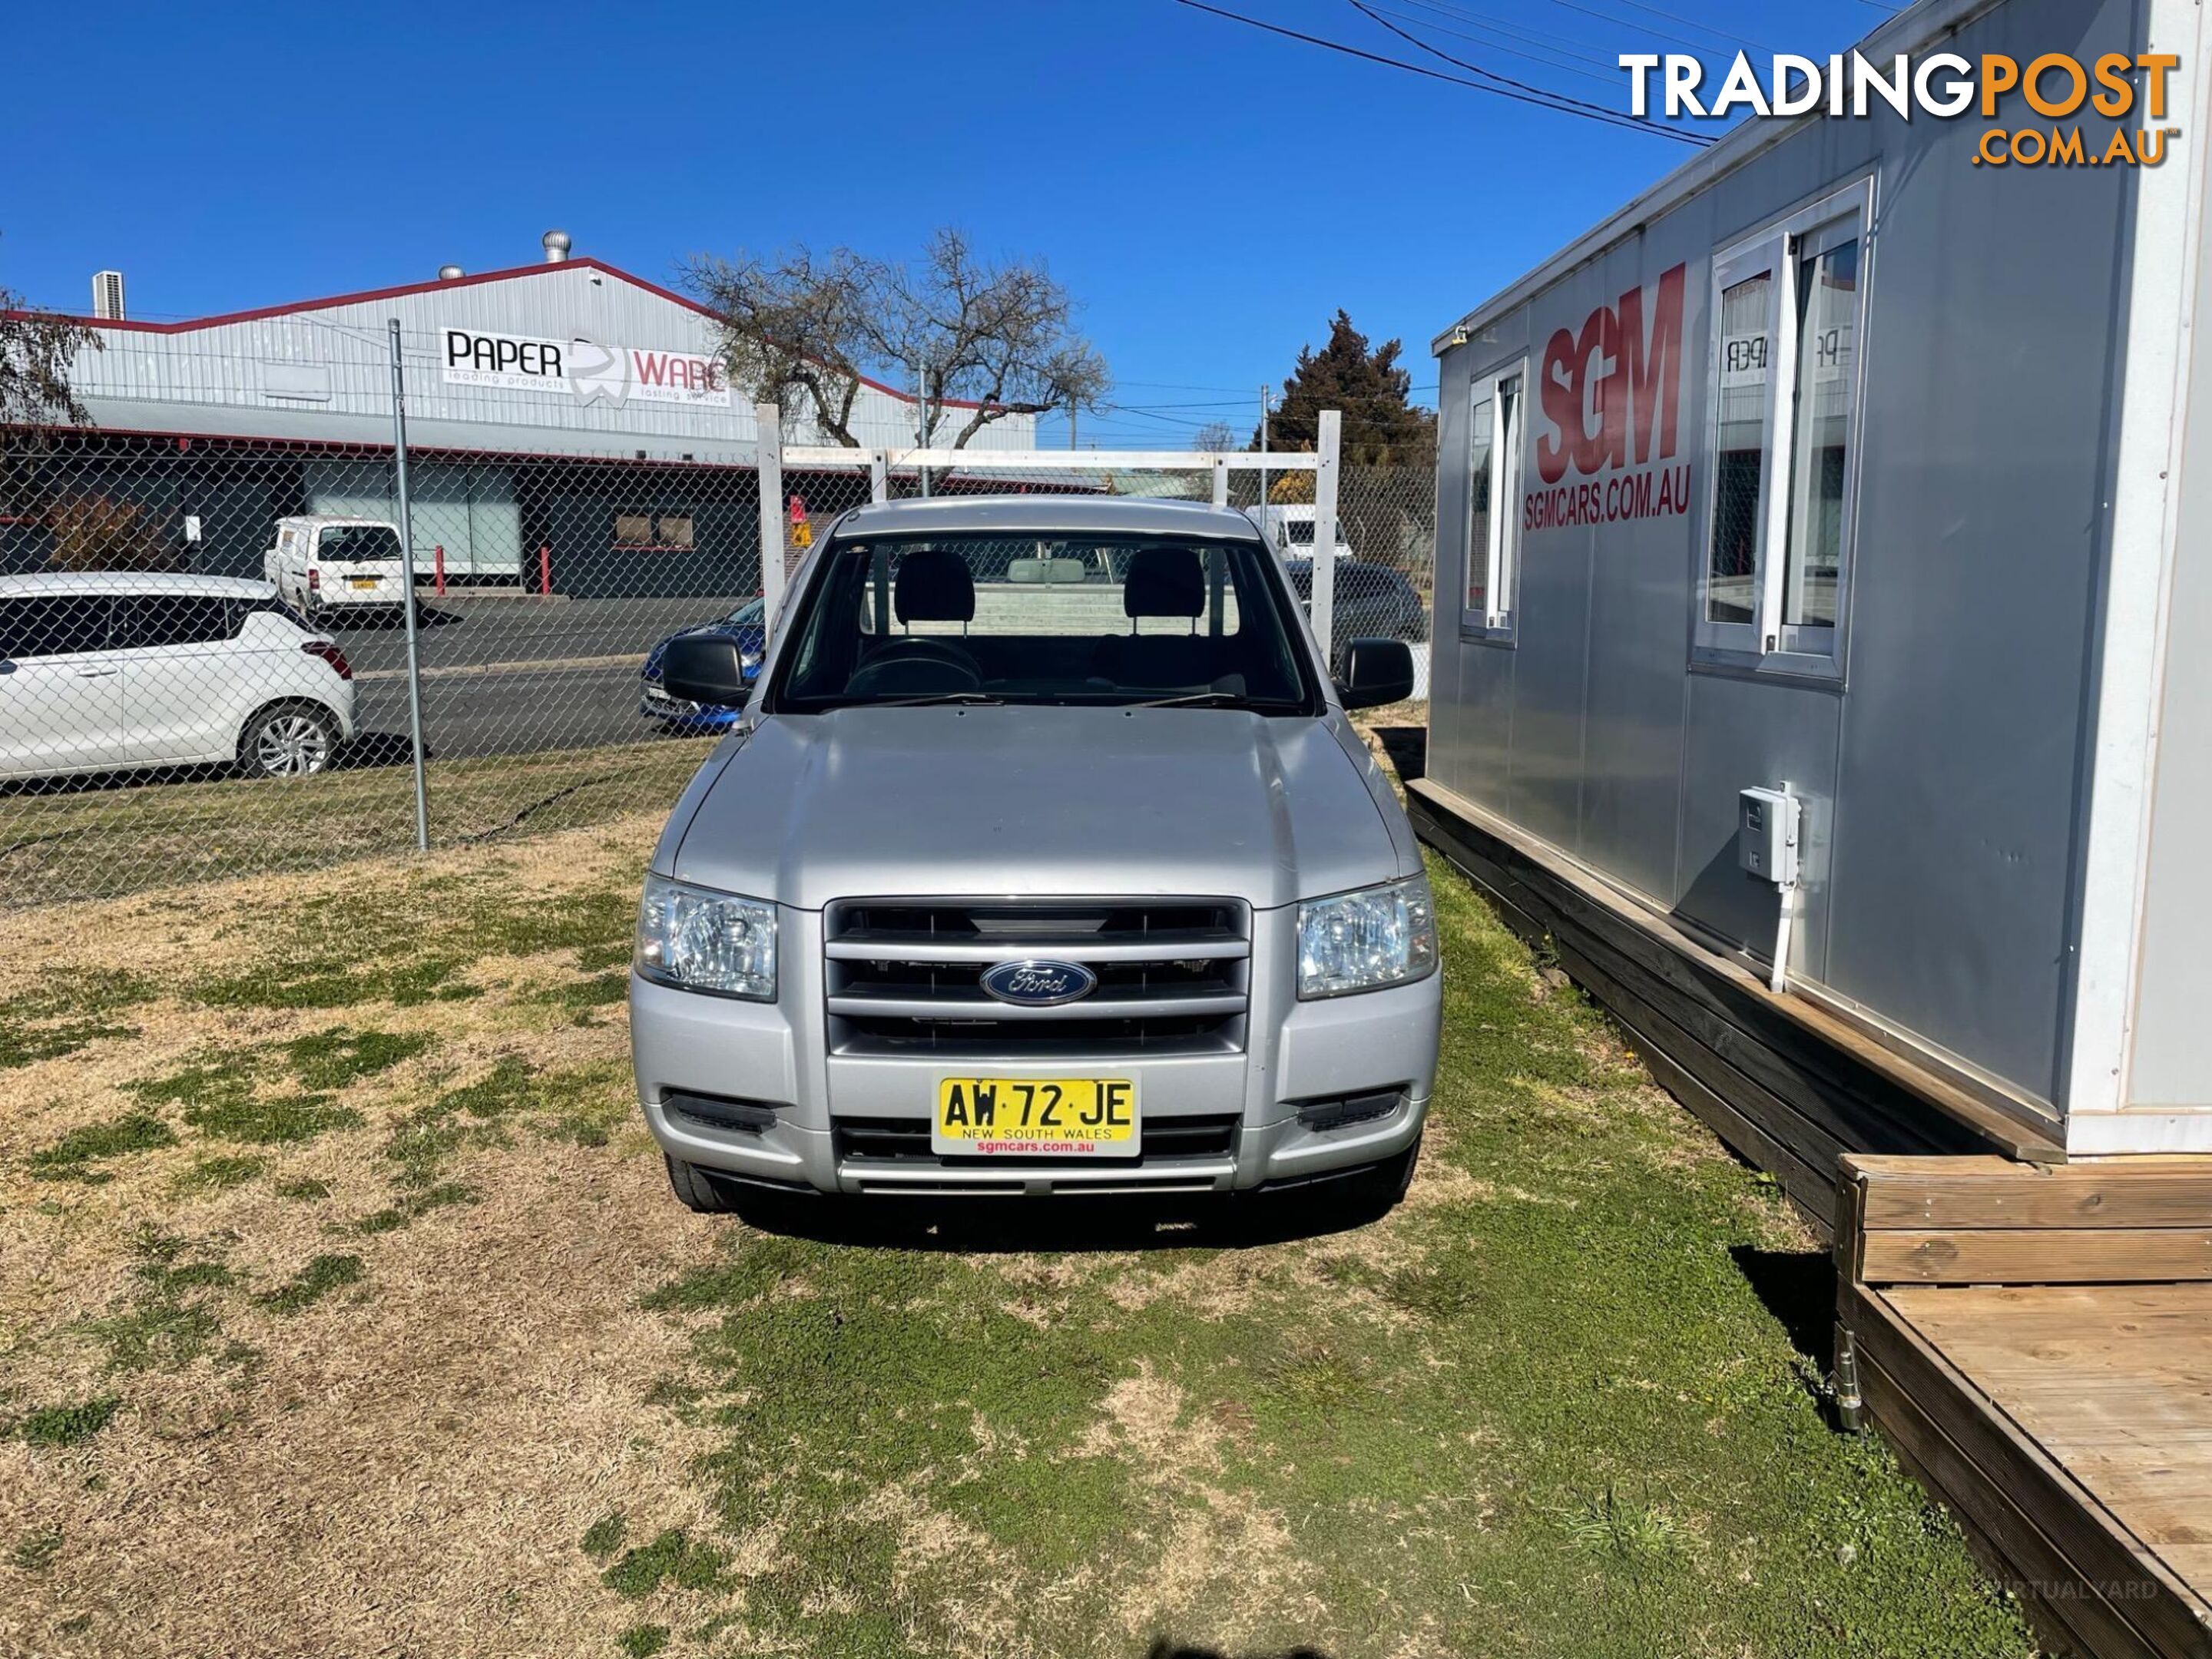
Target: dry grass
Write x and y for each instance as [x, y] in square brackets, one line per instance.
[410, 1461]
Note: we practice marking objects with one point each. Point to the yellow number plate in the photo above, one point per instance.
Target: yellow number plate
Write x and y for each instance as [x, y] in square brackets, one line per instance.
[1018, 1117]
[362, 581]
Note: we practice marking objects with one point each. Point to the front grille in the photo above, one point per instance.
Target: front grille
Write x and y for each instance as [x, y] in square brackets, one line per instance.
[903, 977]
[906, 1140]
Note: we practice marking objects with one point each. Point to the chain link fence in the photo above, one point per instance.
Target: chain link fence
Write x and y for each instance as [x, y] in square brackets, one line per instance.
[203, 640]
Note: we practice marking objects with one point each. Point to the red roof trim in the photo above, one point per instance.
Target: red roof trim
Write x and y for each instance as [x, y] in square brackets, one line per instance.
[370, 295]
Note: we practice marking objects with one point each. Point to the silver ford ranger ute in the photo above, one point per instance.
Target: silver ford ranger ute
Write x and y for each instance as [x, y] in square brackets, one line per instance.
[1043, 861]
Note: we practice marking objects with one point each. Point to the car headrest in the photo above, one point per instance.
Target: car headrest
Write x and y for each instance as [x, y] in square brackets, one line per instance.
[934, 584]
[1163, 581]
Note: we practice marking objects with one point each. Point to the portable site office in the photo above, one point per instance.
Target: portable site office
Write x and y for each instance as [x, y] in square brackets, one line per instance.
[1844, 464]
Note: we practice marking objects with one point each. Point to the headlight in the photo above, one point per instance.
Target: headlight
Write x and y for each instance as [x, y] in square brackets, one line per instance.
[699, 940]
[1365, 940]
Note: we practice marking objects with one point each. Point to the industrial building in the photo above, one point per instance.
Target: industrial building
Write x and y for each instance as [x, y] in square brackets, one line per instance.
[570, 425]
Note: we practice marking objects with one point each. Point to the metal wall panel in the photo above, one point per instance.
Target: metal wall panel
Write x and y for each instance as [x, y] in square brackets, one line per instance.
[1942, 777]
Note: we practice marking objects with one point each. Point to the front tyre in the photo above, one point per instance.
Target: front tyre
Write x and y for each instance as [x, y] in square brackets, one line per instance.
[1373, 1193]
[695, 1192]
[292, 740]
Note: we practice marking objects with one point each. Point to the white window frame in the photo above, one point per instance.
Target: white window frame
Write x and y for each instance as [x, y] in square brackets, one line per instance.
[1500, 556]
[1766, 643]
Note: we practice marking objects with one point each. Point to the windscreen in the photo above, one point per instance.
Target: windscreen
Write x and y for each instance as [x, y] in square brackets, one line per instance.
[359, 542]
[1043, 619]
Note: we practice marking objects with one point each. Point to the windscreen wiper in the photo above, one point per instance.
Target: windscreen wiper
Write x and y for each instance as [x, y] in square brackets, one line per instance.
[972, 699]
[1200, 700]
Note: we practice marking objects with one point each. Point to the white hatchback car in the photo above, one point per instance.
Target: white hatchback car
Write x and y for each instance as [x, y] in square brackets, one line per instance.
[111, 672]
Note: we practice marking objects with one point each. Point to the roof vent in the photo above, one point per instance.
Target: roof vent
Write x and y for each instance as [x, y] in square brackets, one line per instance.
[450, 273]
[555, 243]
[107, 295]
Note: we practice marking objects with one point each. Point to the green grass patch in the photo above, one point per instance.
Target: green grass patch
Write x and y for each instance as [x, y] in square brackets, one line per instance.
[579, 996]
[674, 1557]
[643, 1641]
[69, 1009]
[312, 1189]
[413, 1206]
[74, 1156]
[169, 1321]
[219, 1174]
[37, 1549]
[604, 1535]
[313, 1283]
[279, 1095]
[331, 1059]
[582, 1105]
[66, 1425]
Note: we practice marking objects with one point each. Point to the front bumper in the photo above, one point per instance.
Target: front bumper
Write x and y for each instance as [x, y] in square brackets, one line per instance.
[1296, 1054]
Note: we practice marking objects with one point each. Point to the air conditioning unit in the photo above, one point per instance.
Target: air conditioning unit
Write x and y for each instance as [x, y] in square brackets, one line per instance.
[108, 294]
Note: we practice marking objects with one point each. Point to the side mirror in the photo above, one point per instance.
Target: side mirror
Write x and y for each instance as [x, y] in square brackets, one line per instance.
[705, 669]
[1376, 671]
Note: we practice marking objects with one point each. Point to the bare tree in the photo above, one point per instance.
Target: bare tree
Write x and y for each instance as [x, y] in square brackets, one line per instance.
[1217, 437]
[794, 325]
[955, 326]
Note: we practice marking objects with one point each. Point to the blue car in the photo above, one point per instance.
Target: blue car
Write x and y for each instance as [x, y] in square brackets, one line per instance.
[744, 626]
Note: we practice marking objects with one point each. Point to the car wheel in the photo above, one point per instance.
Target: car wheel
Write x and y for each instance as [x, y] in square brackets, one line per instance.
[695, 1191]
[290, 741]
[1373, 1193]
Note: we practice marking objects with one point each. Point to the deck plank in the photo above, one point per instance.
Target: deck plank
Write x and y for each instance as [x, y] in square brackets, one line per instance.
[2114, 1382]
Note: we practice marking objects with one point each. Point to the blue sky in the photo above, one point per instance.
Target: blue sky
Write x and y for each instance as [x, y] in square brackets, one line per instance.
[1210, 193]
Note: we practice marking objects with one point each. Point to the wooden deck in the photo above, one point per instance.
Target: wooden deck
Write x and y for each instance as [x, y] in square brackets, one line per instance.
[2038, 1344]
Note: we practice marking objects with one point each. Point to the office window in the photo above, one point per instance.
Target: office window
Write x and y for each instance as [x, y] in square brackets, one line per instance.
[1493, 521]
[1788, 306]
[661, 531]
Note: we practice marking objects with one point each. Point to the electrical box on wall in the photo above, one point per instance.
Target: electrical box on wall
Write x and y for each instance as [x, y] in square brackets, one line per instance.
[1766, 834]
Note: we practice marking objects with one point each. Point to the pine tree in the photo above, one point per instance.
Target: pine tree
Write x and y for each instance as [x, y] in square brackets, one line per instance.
[1380, 429]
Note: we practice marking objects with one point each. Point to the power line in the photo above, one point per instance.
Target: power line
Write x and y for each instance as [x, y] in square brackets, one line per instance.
[1670, 16]
[1551, 101]
[1612, 79]
[1658, 34]
[1411, 38]
[1561, 45]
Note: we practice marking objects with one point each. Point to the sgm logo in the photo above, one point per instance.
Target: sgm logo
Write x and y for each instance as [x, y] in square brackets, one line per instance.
[1612, 395]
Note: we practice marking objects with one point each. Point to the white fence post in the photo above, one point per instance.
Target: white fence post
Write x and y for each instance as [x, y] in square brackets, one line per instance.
[767, 421]
[879, 476]
[1324, 541]
[1220, 482]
